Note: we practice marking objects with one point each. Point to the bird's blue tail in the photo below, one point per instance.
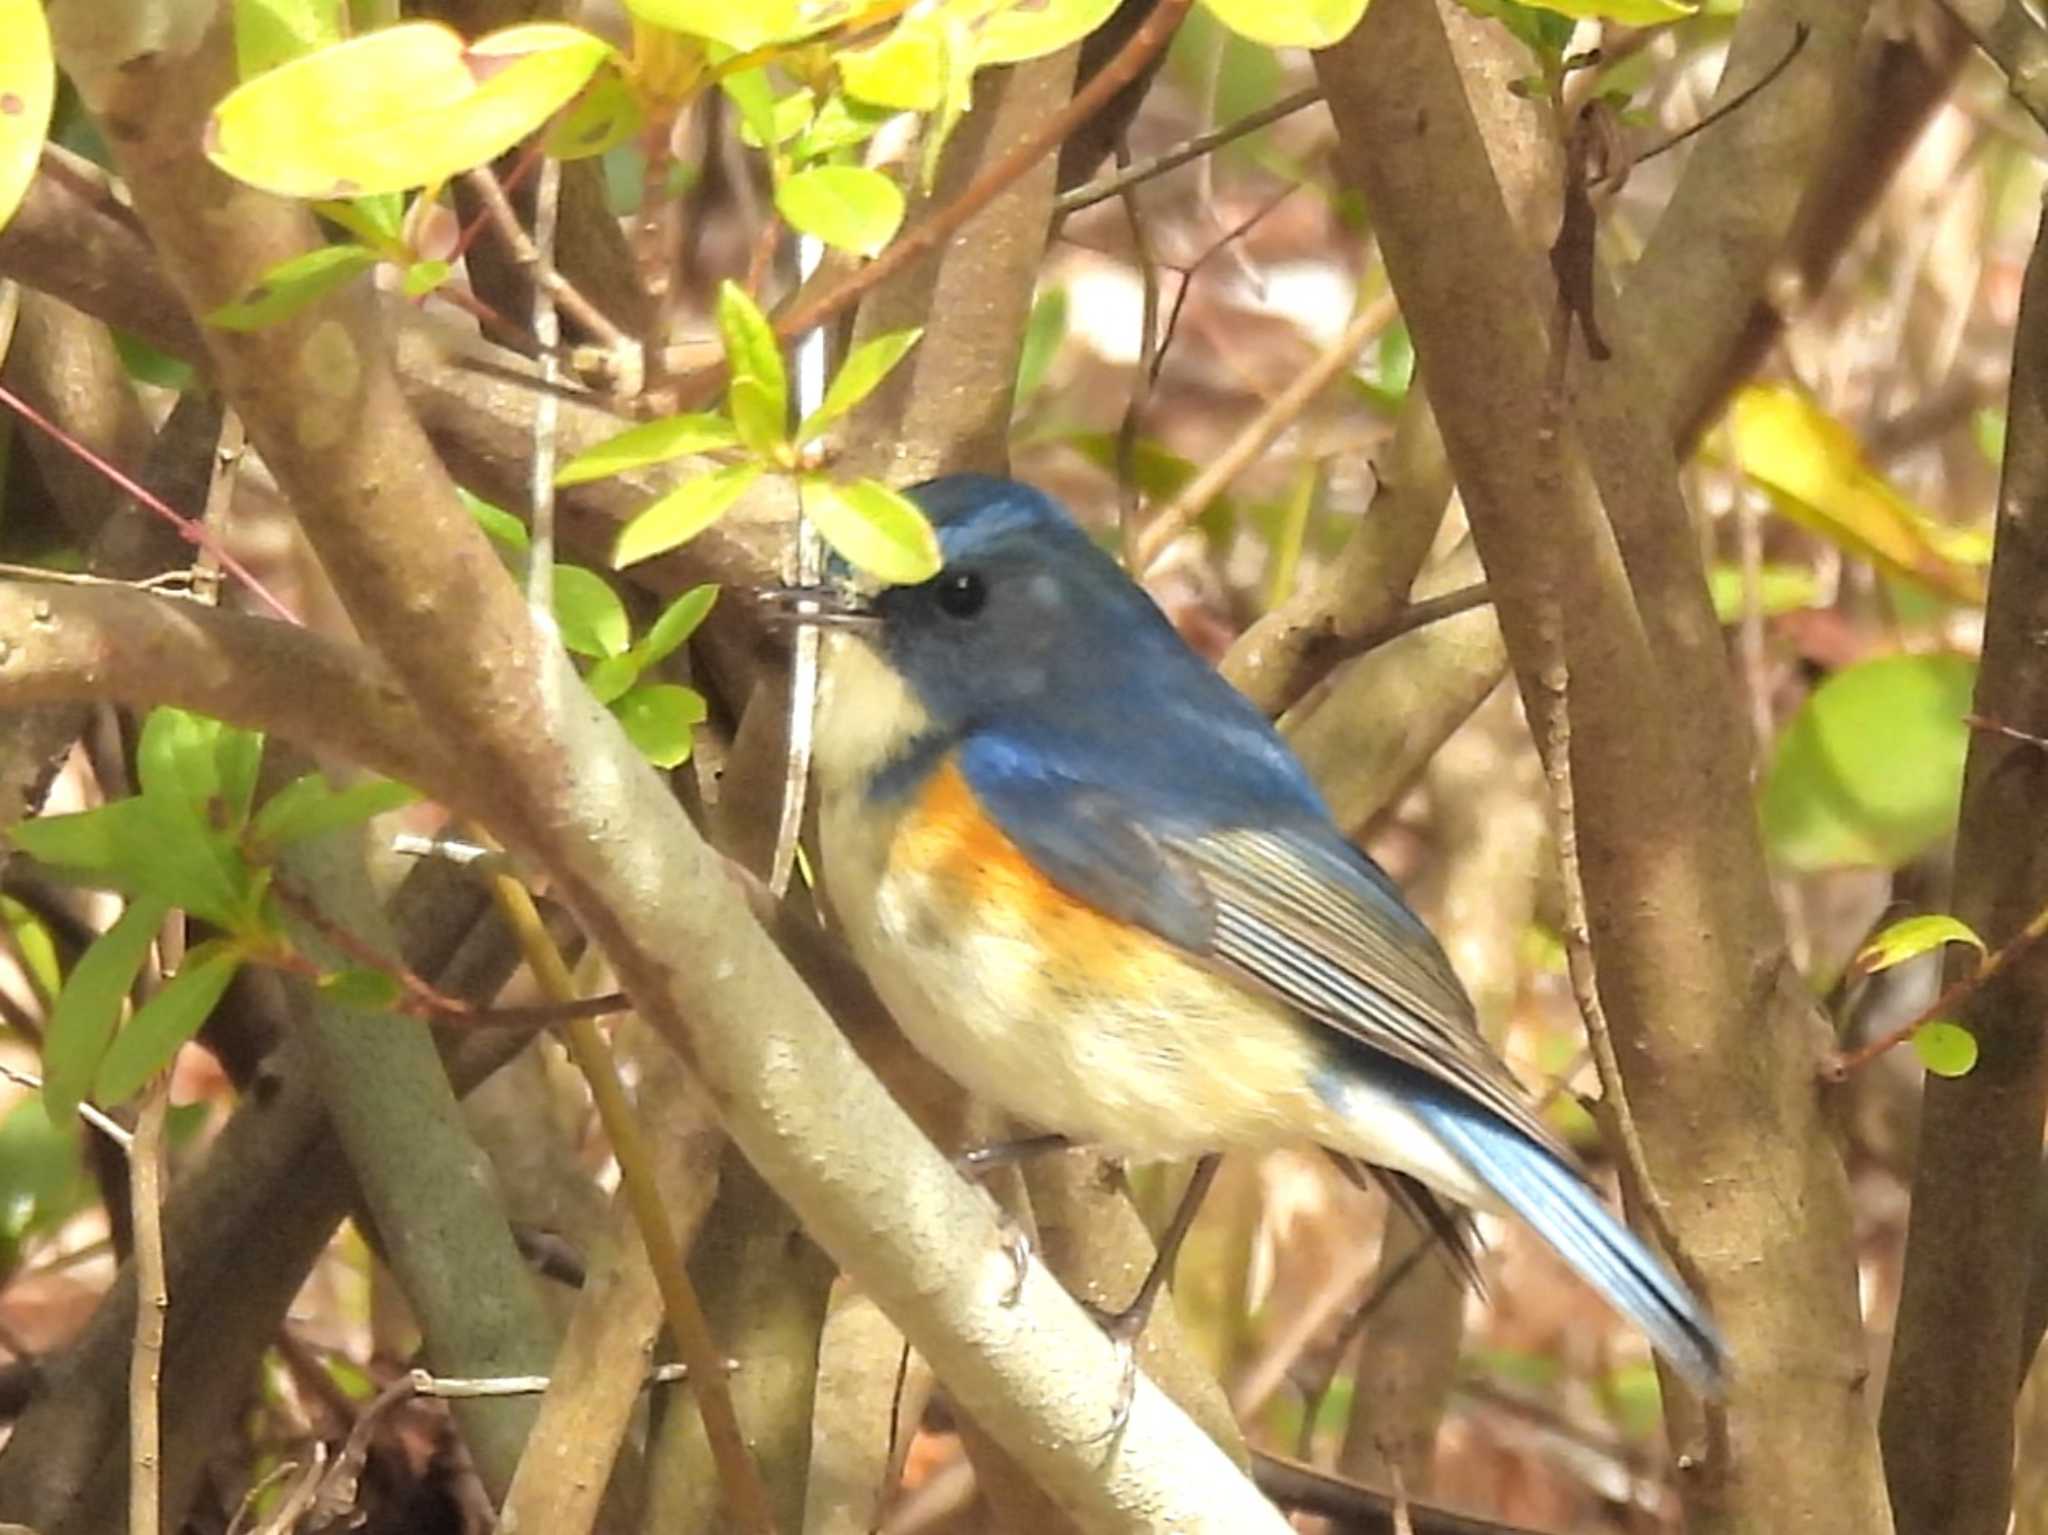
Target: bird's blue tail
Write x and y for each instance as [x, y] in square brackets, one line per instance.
[1568, 1215]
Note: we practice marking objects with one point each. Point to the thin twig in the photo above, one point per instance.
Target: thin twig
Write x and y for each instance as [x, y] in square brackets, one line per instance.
[1150, 357]
[193, 532]
[1128, 176]
[537, 256]
[112, 1129]
[152, 1302]
[1800, 32]
[460, 1387]
[308, 911]
[810, 571]
[1260, 433]
[738, 1473]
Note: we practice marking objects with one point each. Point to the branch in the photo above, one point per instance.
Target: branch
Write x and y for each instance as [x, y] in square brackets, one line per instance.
[2013, 40]
[1955, 1356]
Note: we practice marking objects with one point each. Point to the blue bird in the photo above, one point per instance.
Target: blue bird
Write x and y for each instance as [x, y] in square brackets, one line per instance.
[1097, 889]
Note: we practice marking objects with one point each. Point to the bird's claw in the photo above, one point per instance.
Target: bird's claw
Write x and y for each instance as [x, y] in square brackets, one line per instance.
[1123, 1329]
[1017, 1248]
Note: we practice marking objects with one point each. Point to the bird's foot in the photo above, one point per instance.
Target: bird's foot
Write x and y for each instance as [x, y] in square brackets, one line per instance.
[1123, 1329]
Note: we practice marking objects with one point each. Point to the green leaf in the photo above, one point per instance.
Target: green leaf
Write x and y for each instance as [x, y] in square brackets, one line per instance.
[1914, 936]
[1946, 1049]
[291, 285]
[682, 514]
[839, 124]
[875, 528]
[1289, 23]
[89, 1006]
[864, 369]
[1629, 13]
[270, 32]
[239, 754]
[742, 27]
[1546, 33]
[423, 277]
[759, 416]
[33, 945]
[1043, 333]
[678, 621]
[658, 717]
[378, 222]
[310, 807]
[195, 761]
[188, 861]
[28, 90]
[1780, 589]
[605, 116]
[496, 522]
[904, 72]
[787, 117]
[99, 843]
[750, 91]
[398, 108]
[609, 678]
[592, 619]
[370, 991]
[1018, 32]
[652, 442]
[166, 1021]
[146, 365]
[42, 1176]
[1870, 771]
[752, 352]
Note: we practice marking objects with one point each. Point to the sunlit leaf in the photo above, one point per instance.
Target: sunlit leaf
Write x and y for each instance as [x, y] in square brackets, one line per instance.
[291, 285]
[874, 528]
[1289, 23]
[840, 123]
[741, 27]
[591, 617]
[751, 92]
[398, 108]
[682, 514]
[98, 844]
[1870, 771]
[90, 1004]
[28, 89]
[678, 621]
[658, 718]
[603, 117]
[751, 350]
[864, 369]
[1946, 1049]
[652, 442]
[849, 207]
[310, 807]
[1018, 32]
[498, 523]
[787, 117]
[43, 1181]
[1628, 13]
[1914, 936]
[905, 71]
[423, 277]
[270, 32]
[1814, 471]
[1043, 333]
[166, 1021]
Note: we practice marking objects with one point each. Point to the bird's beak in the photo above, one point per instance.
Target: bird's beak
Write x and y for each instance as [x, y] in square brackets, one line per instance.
[829, 607]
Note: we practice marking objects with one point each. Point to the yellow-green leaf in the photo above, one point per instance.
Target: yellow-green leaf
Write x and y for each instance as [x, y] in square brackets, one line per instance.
[1629, 13]
[905, 70]
[1946, 1049]
[1032, 30]
[658, 717]
[858, 377]
[751, 350]
[28, 88]
[742, 26]
[269, 32]
[166, 1021]
[849, 207]
[652, 442]
[602, 118]
[1288, 23]
[874, 528]
[291, 285]
[1814, 471]
[399, 108]
[682, 514]
[1914, 936]
[82, 1023]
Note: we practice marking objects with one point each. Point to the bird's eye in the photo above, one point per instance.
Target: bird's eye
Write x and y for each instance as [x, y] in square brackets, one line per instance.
[961, 593]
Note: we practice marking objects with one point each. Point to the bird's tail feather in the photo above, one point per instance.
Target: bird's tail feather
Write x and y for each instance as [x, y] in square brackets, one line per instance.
[1568, 1215]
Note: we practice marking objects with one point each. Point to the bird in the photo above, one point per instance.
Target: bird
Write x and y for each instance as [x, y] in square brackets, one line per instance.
[1097, 888]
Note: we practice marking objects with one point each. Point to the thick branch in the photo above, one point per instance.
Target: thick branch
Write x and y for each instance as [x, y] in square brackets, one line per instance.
[1956, 1360]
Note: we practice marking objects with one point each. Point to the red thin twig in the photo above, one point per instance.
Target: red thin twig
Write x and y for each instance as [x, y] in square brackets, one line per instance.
[195, 533]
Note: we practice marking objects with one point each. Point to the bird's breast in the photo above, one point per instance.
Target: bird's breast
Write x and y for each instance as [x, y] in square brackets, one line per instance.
[1068, 1018]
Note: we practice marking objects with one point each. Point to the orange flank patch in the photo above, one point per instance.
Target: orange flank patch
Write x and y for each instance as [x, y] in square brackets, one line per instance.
[948, 844]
